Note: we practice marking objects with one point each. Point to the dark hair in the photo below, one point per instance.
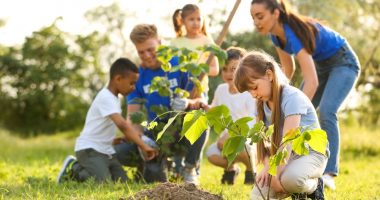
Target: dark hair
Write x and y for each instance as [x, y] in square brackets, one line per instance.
[303, 26]
[182, 14]
[235, 53]
[122, 66]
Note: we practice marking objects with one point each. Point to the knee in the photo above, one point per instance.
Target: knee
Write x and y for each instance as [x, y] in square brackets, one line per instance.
[292, 183]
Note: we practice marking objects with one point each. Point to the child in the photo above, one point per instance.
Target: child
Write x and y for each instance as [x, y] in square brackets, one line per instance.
[286, 107]
[190, 28]
[329, 66]
[93, 148]
[240, 105]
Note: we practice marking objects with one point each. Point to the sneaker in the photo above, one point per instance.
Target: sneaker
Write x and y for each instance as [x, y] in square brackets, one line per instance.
[66, 170]
[297, 196]
[318, 193]
[249, 178]
[190, 175]
[328, 181]
[229, 177]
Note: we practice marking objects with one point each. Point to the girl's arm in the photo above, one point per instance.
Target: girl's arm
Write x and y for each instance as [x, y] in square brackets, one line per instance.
[287, 63]
[214, 67]
[309, 73]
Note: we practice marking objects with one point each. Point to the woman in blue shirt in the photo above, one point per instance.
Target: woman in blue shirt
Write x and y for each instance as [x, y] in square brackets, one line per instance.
[329, 66]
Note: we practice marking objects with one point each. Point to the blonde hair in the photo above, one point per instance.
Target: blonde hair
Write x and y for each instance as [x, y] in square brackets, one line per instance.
[142, 32]
[253, 66]
[181, 14]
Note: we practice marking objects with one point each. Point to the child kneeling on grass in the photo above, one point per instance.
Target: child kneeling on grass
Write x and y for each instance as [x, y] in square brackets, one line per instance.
[94, 151]
[240, 105]
[286, 107]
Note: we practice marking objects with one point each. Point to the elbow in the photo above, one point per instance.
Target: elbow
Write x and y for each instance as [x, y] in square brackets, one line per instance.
[214, 71]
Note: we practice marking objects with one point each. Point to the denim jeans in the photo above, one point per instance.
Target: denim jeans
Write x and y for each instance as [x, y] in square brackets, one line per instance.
[337, 76]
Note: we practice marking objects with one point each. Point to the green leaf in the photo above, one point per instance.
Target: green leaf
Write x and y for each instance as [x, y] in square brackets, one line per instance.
[167, 125]
[194, 124]
[299, 146]
[166, 66]
[232, 147]
[255, 135]
[318, 140]
[218, 118]
[137, 117]
[272, 165]
[291, 134]
[269, 131]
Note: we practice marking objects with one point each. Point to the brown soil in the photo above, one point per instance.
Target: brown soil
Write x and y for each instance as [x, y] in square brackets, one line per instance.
[172, 191]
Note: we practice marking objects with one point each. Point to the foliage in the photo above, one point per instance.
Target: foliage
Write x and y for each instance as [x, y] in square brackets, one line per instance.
[45, 83]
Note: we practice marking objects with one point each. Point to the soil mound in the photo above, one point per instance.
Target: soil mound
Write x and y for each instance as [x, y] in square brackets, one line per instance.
[172, 191]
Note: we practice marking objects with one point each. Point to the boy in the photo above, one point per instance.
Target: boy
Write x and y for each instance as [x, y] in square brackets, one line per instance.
[93, 148]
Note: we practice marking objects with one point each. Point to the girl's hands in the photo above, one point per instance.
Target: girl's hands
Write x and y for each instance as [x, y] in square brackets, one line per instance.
[262, 178]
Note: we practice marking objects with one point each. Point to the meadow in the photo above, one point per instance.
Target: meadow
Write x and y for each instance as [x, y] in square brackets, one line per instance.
[29, 166]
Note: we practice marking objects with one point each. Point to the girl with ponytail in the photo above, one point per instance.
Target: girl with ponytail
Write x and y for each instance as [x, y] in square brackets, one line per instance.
[286, 107]
[328, 64]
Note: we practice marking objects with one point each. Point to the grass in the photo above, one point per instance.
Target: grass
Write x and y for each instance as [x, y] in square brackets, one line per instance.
[28, 169]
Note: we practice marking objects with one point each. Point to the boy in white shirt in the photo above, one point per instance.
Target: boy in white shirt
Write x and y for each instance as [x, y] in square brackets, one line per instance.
[94, 151]
[240, 105]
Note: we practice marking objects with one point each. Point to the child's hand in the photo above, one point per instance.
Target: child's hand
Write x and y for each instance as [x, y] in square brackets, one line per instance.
[118, 140]
[262, 178]
[149, 152]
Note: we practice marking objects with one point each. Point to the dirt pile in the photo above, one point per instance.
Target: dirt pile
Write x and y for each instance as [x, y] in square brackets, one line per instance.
[172, 191]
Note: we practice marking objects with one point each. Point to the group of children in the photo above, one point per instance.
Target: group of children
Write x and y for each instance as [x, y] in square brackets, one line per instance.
[254, 85]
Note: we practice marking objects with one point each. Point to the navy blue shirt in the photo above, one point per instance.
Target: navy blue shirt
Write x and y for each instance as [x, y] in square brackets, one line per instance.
[328, 42]
[142, 91]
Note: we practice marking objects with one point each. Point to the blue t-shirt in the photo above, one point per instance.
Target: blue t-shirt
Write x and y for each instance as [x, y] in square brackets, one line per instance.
[294, 102]
[177, 79]
[328, 42]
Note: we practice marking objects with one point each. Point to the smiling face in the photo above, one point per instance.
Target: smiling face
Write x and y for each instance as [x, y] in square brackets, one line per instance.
[193, 23]
[147, 52]
[264, 19]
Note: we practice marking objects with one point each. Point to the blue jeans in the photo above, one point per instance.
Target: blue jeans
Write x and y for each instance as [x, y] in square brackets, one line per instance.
[337, 76]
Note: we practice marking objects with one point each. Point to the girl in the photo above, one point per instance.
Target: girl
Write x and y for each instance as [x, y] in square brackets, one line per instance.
[190, 28]
[286, 107]
[328, 64]
[240, 105]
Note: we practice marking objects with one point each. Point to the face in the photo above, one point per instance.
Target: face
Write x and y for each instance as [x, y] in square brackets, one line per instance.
[228, 71]
[261, 88]
[147, 53]
[193, 23]
[263, 19]
[126, 84]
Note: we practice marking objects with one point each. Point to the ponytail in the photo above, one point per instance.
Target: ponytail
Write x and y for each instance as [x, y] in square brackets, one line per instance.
[177, 22]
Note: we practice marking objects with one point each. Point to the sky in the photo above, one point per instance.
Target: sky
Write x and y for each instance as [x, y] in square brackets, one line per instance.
[23, 17]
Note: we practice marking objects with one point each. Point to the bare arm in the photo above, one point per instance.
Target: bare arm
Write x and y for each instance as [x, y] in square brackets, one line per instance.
[132, 134]
[287, 63]
[309, 73]
[214, 67]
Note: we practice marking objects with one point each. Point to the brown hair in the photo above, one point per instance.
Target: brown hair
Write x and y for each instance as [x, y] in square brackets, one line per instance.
[303, 26]
[254, 66]
[181, 14]
[141, 32]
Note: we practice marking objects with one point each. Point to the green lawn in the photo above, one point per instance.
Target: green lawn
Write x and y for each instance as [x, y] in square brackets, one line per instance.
[28, 169]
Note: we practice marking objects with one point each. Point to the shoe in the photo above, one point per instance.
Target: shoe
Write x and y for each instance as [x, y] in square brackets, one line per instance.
[329, 181]
[249, 178]
[318, 193]
[297, 196]
[190, 175]
[66, 172]
[229, 177]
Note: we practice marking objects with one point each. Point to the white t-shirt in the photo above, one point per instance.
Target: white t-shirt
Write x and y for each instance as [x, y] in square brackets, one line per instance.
[99, 130]
[240, 104]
